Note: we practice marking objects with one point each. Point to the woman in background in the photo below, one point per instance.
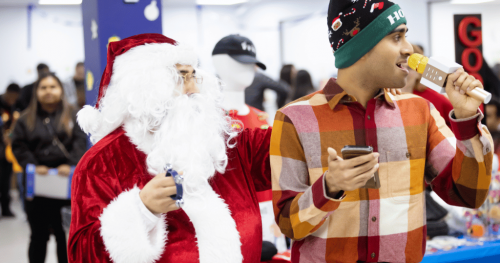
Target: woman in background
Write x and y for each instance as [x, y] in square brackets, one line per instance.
[47, 136]
[287, 74]
[302, 85]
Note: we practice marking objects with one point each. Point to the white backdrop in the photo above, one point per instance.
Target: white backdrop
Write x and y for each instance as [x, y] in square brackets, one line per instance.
[57, 40]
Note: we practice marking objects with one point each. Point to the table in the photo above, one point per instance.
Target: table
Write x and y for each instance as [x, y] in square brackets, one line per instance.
[489, 252]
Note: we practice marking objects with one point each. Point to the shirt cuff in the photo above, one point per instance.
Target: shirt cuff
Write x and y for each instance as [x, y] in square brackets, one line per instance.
[149, 218]
[465, 129]
[320, 194]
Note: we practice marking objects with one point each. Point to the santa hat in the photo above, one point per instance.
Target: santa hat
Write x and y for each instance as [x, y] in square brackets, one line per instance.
[356, 26]
[119, 48]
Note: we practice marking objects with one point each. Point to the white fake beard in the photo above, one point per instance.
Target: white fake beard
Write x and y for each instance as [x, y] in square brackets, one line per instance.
[193, 138]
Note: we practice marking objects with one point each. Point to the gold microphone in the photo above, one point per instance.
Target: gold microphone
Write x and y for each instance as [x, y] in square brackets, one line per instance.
[435, 71]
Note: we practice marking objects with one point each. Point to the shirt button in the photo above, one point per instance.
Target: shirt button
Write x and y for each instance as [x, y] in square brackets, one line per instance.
[373, 255]
[374, 219]
[47, 120]
[369, 118]
[408, 155]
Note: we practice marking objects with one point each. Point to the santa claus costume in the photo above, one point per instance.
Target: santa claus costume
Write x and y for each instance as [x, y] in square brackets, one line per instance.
[139, 124]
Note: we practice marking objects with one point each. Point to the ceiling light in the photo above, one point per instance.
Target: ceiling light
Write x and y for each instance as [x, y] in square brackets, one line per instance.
[469, 2]
[220, 2]
[59, 2]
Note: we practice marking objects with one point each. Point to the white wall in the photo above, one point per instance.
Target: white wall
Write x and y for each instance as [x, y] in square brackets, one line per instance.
[200, 28]
[443, 39]
[417, 16]
[53, 42]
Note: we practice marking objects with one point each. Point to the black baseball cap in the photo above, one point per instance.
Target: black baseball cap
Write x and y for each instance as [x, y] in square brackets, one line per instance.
[239, 48]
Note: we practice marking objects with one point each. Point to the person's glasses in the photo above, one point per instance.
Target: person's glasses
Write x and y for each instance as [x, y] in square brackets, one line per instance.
[190, 77]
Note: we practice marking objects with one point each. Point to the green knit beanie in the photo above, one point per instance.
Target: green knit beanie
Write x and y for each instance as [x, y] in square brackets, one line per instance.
[356, 26]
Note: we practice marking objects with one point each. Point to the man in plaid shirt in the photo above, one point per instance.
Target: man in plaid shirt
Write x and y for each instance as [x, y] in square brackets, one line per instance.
[317, 195]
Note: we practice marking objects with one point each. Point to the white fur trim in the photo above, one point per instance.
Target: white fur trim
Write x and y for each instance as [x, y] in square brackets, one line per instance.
[125, 234]
[88, 118]
[218, 238]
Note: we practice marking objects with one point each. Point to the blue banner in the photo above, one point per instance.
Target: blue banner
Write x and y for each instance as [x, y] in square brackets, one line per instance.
[106, 21]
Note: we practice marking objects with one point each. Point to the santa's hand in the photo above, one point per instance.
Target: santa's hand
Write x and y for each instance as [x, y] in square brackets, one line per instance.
[156, 194]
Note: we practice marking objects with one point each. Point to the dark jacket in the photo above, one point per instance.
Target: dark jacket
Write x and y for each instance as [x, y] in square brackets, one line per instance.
[254, 94]
[25, 97]
[37, 146]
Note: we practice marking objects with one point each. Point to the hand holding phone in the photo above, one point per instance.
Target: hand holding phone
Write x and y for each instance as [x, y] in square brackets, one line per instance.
[350, 174]
[350, 152]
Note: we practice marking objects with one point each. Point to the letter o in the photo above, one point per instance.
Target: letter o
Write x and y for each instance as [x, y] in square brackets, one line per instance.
[466, 59]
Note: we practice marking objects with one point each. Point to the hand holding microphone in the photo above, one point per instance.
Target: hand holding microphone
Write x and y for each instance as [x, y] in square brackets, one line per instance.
[464, 91]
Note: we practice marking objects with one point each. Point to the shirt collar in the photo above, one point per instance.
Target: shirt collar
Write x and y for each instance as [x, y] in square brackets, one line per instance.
[335, 95]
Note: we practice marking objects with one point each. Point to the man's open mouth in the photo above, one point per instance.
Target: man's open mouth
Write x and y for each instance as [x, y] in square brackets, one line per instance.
[402, 67]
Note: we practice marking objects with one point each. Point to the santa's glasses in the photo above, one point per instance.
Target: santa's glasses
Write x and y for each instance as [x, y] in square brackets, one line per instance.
[190, 77]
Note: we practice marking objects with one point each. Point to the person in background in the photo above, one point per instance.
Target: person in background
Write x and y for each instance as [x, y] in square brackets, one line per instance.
[48, 136]
[493, 115]
[74, 88]
[9, 98]
[442, 103]
[8, 115]
[302, 85]
[25, 96]
[493, 121]
[287, 75]
[254, 94]
[496, 70]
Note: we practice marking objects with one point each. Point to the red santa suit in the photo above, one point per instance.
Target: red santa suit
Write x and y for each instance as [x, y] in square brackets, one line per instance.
[250, 121]
[111, 224]
[270, 230]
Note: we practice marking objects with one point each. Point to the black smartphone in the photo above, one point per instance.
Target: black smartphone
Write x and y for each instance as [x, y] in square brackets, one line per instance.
[352, 151]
